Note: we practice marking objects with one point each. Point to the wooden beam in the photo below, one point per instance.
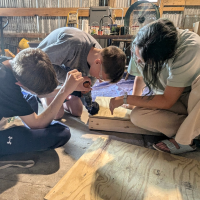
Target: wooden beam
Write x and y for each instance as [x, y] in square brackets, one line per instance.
[118, 13]
[10, 12]
[26, 35]
[174, 2]
[192, 3]
[173, 8]
[112, 3]
[118, 122]
[54, 12]
[161, 6]
[133, 1]
[117, 125]
[125, 37]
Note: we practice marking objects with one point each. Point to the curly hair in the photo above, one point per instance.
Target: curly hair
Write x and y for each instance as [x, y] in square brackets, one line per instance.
[33, 69]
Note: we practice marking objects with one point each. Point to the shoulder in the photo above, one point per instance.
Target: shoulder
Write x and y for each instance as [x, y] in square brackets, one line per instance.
[188, 41]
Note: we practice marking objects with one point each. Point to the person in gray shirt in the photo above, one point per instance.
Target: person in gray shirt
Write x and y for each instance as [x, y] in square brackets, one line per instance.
[70, 48]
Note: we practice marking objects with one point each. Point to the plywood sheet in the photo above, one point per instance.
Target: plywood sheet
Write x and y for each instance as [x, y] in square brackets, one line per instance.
[118, 171]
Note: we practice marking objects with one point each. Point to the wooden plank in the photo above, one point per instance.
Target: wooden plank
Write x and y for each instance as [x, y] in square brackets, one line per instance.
[125, 37]
[117, 125]
[119, 171]
[118, 122]
[161, 6]
[118, 13]
[112, 3]
[26, 35]
[43, 35]
[9, 12]
[192, 3]
[173, 9]
[41, 12]
[173, 2]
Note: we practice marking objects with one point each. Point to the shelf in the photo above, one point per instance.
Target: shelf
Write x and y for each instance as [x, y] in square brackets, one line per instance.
[43, 35]
[55, 12]
[113, 37]
[26, 35]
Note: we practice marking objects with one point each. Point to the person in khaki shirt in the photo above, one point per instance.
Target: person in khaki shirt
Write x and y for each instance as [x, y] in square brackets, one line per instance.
[166, 61]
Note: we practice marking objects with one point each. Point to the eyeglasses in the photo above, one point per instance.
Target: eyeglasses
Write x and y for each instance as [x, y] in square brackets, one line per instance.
[100, 75]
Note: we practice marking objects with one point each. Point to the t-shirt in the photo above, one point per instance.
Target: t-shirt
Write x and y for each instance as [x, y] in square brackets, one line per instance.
[68, 48]
[182, 69]
[12, 103]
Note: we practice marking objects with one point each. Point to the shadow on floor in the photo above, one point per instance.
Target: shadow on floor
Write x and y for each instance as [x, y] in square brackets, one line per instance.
[46, 163]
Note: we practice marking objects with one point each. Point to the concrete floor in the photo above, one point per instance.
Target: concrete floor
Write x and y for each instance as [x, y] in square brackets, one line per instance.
[50, 166]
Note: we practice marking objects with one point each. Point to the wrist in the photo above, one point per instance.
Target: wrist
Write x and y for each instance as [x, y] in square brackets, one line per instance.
[125, 98]
[120, 100]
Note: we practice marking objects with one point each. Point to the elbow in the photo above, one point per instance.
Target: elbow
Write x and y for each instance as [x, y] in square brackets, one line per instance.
[37, 126]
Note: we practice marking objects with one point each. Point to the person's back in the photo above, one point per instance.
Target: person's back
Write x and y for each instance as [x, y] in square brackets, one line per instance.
[71, 48]
[68, 48]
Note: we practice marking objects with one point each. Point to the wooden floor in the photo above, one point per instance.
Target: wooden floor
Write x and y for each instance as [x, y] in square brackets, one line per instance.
[113, 170]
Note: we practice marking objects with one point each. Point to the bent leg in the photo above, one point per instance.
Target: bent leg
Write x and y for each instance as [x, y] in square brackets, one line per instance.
[190, 128]
[21, 139]
[160, 121]
[74, 105]
[46, 102]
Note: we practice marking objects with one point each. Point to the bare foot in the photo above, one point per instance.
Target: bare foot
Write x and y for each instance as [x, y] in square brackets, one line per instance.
[128, 106]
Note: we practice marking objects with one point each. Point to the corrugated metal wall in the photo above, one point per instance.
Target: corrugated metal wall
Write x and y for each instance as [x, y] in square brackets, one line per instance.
[47, 24]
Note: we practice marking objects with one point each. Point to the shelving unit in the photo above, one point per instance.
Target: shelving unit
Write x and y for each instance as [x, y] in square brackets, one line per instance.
[164, 6]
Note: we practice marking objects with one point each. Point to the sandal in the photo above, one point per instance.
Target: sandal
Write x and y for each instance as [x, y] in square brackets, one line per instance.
[173, 149]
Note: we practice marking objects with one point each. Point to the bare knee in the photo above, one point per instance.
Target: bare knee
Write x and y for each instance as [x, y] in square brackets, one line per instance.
[46, 102]
[60, 113]
[74, 106]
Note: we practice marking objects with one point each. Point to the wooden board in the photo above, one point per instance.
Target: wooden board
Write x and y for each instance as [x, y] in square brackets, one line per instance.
[192, 3]
[41, 12]
[10, 12]
[104, 111]
[118, 171]
[118, 122]
[173, 2]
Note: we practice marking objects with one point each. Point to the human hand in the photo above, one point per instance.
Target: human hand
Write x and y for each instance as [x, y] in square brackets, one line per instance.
[72, 81]
[128, 106]
[87, 84]
[85, 87]
[115, 103]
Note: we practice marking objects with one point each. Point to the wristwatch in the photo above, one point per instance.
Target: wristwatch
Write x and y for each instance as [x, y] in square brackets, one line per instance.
[125, 98]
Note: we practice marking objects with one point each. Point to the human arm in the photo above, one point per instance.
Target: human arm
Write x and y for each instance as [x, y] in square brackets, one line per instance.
[165, 101]
[81, 87]
[138, 86]
[72, 82]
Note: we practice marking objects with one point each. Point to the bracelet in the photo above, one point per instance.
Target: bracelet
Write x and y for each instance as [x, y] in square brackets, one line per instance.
[125, 98]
